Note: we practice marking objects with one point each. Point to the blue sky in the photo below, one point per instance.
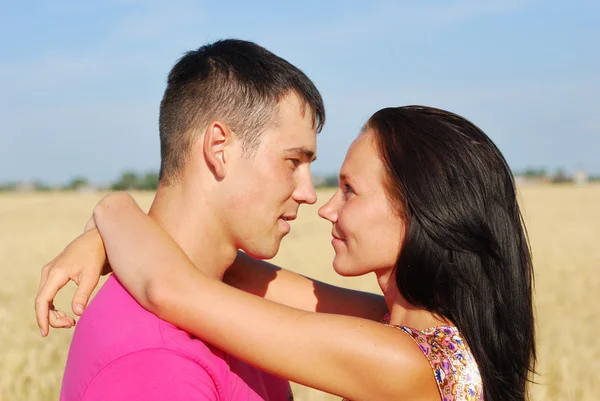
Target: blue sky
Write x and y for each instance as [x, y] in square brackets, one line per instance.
[81, 82]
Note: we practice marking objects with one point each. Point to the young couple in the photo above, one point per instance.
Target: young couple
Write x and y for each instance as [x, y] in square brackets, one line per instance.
[425, 201]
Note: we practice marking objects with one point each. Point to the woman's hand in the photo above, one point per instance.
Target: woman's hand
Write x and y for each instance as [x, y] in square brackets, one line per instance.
[83, 261]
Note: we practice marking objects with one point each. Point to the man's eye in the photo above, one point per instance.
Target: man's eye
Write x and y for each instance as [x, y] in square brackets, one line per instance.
[295, 162]
[348, 189]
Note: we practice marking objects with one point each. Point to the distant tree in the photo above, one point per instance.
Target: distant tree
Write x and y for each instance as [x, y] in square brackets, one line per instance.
[8, 186]
[532, 172]
[77, 183]
[561, 176]
[149, 182]
[331, 181]
[39, 185]
[128, 180]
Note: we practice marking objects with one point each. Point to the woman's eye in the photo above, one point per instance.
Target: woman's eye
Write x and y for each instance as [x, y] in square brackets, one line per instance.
[348, 189]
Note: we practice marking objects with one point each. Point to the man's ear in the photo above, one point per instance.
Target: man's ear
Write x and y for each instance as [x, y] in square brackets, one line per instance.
[216, 139]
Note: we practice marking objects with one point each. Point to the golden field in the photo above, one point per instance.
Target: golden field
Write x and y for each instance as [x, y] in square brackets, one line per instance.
[564, 229]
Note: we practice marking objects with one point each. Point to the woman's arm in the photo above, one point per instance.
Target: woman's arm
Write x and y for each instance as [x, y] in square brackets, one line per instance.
[84, 260]
[288, 288]
[348, 356]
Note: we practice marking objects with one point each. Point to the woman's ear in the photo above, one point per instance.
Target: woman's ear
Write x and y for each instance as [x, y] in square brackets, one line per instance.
[216, 138]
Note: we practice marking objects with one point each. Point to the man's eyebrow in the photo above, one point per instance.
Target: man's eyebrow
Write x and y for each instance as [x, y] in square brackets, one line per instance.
[303, 151]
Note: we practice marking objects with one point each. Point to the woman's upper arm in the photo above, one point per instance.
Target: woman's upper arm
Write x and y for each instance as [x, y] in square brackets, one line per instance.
[123, 226]
[347, 356]
[139, 251]
[289, 288]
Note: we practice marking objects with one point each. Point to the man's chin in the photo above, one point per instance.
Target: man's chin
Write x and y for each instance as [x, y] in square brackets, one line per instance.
[264, 253]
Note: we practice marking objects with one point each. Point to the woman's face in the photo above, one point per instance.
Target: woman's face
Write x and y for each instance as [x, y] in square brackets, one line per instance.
[367, 233]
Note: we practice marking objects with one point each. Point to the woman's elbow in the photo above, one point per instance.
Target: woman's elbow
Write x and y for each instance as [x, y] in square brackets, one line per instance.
[168, 296]
[152, 297]
[112, 202]
[156, 297]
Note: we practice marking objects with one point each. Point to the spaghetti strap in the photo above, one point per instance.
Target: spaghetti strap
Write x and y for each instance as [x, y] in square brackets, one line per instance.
[454, 368]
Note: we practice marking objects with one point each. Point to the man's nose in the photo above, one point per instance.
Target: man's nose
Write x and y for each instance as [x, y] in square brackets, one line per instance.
[305, 191]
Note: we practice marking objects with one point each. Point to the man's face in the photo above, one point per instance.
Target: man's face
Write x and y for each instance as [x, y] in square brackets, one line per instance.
[266, 189]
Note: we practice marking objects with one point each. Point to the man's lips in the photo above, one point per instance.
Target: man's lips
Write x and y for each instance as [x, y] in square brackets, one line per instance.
[337, 237]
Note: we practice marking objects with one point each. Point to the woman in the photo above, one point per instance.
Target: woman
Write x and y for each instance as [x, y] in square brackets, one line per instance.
[427, 203]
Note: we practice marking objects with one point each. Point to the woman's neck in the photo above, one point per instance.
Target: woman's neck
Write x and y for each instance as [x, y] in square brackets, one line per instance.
[402, 313]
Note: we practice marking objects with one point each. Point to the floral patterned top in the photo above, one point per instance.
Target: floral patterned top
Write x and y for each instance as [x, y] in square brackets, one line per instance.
[454, 368]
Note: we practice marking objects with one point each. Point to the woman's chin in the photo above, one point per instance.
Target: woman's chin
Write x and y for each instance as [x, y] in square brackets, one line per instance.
[343, 269]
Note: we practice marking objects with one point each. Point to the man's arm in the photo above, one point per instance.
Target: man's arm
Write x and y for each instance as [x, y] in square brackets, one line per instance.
[154, 375]
[292, 289]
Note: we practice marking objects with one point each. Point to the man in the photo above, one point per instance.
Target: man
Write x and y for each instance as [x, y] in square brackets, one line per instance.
[238, 133]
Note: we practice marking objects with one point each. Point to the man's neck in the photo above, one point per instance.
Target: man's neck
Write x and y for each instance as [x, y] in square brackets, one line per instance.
[192, 224]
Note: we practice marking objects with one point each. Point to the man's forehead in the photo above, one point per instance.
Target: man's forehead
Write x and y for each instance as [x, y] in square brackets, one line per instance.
[294, 131]
[293, 110]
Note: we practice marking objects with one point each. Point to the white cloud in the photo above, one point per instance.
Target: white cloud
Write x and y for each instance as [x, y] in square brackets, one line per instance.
[593, 126]
[408, 20]
[122, 47]
[158, 20]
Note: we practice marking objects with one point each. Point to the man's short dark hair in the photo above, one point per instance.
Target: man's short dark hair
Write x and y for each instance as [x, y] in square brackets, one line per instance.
[234, 81]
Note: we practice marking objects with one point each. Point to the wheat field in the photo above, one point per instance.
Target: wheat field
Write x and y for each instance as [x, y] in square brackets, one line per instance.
[564, 229]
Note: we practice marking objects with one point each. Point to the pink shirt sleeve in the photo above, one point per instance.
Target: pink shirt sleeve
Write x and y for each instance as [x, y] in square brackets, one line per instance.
[153, 375]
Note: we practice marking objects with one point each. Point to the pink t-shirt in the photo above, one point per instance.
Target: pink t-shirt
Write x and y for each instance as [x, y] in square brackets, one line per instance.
[120, 351]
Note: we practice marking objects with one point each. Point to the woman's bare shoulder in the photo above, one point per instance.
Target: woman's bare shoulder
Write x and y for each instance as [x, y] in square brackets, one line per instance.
[404, 371]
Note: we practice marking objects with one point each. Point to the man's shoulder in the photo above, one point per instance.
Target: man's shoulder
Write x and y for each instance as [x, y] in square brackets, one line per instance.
[115, 319]
[112, 326]
[140, 374]
[114, 316]
[152, 375]
[115, 328]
